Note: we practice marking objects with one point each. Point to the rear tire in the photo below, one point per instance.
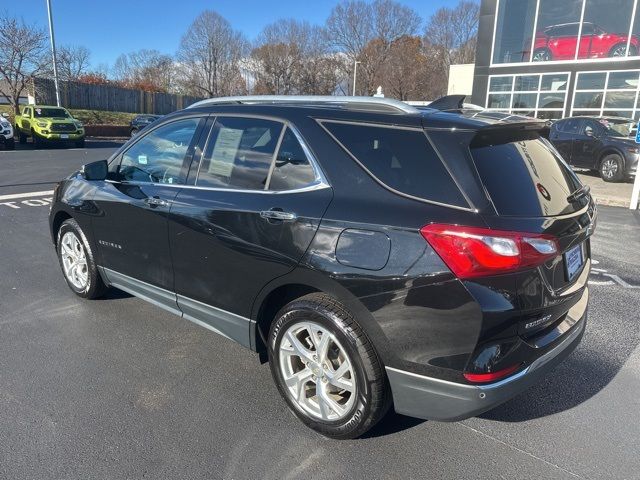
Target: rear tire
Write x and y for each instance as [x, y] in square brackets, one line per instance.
[10, 144]
[77, 261]
[611, 168]
[338, 388]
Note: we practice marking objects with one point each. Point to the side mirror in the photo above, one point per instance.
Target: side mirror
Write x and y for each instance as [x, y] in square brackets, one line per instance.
[588, 131]
[5, 114]
[95, 170]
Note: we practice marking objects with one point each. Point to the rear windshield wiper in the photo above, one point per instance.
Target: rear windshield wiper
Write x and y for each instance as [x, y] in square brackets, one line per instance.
[579, 193]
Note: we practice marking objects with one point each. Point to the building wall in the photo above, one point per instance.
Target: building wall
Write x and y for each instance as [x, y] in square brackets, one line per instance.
[507, 61]
[461, 79]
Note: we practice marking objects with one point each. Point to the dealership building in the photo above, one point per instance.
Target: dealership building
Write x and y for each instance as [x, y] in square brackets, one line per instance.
[557, 58]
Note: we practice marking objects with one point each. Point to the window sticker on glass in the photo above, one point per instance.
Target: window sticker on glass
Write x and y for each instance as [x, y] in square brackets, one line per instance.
[225, 151]
[142, 159]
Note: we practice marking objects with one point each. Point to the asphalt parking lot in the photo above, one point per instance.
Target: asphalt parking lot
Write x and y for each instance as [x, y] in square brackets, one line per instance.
[118, 388]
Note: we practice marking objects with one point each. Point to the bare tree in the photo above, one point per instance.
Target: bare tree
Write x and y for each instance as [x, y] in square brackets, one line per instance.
[405, 73]
[292, 56]
[451, 35]
[145, 70]
[365, 31]
[209, 56]
[22, 56]
[73, 61]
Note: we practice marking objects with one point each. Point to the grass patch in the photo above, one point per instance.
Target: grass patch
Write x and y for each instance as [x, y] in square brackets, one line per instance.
[88, 117]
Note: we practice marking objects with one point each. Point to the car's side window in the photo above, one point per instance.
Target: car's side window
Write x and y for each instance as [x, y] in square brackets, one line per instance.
[292, 168]
[239, 153]
[569, 126]
[158, 157]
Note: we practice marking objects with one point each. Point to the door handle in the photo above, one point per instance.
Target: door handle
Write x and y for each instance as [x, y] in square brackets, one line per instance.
[156, 202]
[278, 215]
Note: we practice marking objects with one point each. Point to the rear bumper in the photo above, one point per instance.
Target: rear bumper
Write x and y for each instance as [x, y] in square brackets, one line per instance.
[434, 399]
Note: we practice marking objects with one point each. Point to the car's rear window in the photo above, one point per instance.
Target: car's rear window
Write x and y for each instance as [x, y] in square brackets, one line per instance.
[401, 159]
[524, 176]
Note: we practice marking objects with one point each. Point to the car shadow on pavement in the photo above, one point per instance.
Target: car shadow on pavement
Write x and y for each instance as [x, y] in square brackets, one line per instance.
[581, 376]
[392, 423]
[115, 294]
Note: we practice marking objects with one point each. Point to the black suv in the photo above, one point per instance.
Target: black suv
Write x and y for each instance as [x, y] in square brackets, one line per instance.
[603, 144]
[141, 121]
[375, 254]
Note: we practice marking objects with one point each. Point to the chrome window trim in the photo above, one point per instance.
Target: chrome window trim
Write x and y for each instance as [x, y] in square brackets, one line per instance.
[308, 188]
[380, 182]
[320, 180]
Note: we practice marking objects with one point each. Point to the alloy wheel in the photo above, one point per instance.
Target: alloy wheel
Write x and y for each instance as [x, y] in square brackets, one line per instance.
[609, 168]
[317, 371]
[619, 51]
[74, 260]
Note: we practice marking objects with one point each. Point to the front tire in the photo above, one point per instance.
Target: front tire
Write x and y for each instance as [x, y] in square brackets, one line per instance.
[77, 261]
[10, 144]
[326, 368]
[22, 138]
[611, 168]
[80, 143]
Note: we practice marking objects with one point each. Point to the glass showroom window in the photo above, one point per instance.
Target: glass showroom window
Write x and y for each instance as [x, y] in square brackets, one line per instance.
[540, 95]
[612, 93]
[566, 30]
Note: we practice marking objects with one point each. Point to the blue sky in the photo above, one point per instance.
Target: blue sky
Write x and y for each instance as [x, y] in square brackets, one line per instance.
[111, 27]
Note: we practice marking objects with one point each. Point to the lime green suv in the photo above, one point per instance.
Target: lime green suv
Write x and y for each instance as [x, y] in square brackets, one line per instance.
[43, 123]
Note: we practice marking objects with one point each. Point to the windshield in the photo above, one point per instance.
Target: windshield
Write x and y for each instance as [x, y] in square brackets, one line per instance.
[50, 113]
[617, 128]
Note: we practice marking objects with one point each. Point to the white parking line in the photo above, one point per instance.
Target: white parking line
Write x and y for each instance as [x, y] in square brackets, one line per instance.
[26, 195]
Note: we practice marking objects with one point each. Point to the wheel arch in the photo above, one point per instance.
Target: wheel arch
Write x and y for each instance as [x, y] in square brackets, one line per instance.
[296, 284]
[609, 151]
[57, 222]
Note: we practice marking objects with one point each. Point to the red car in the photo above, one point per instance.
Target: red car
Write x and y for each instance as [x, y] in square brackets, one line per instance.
[558, 42]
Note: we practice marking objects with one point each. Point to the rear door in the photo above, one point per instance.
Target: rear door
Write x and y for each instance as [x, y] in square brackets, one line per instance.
[255, 203]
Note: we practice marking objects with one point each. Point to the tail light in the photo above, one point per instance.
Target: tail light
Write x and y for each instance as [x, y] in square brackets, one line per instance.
[490, 376]
[473, 252]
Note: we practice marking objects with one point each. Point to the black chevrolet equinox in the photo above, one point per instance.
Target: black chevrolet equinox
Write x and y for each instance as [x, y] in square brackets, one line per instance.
[376, 254]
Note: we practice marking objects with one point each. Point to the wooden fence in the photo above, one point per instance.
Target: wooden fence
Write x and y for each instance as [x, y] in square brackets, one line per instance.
[109, 98]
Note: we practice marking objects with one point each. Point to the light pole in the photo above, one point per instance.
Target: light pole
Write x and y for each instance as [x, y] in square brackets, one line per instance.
[53, 53]
[355, 72]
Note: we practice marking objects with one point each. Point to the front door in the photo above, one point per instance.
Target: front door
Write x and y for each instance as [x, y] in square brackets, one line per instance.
[130, 224]
[586, 144]
[255, 207]
[562, 134]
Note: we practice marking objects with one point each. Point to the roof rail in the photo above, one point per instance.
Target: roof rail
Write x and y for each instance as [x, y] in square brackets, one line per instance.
[357, 103]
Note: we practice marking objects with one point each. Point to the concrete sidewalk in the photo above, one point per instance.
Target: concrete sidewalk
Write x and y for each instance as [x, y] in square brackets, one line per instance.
[616, 194]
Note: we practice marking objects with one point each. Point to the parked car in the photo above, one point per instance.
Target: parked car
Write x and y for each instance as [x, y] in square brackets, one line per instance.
[374, 253]
[6, 133]
[558, 42]
[602, 144]
[44, 123]
[140, 122]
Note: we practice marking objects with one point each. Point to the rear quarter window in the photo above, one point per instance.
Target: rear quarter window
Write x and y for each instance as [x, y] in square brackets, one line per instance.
[401, 159]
